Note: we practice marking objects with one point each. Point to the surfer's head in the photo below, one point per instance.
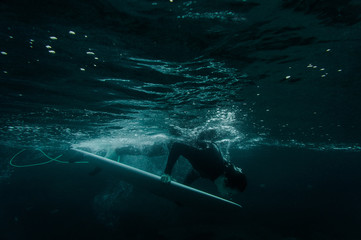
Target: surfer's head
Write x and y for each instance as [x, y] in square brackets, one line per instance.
[225, 191]
[235, 179]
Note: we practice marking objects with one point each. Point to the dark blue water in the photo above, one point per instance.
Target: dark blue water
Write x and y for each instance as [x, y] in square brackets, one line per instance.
[278, 81]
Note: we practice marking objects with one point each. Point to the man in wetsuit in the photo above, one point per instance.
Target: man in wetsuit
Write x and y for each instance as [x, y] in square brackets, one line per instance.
[207, 162]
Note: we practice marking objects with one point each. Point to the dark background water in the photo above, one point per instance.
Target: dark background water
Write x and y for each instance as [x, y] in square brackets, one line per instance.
[278, 81]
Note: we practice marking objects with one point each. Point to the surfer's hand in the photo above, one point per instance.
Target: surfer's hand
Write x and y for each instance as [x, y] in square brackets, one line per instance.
[165, 178]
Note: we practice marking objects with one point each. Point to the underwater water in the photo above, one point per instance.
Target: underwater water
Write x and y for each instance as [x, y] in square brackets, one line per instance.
[278, 82]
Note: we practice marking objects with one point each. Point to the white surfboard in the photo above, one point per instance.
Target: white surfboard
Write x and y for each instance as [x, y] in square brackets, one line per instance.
[179, 193]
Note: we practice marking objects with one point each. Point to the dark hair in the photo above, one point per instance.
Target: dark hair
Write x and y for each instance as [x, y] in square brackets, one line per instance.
[235, 178]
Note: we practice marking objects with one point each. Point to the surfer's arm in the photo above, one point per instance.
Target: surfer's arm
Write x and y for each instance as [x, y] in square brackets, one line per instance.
[173, 156]
[170, 165]
[177, 150]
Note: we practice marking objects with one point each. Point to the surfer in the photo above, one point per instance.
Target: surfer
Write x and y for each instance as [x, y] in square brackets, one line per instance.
[207, 162]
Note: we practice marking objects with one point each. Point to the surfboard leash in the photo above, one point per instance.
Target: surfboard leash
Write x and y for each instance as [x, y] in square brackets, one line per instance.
[50, 159]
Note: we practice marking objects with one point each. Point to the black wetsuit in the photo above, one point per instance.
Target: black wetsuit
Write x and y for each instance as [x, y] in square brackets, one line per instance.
[207, 160]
